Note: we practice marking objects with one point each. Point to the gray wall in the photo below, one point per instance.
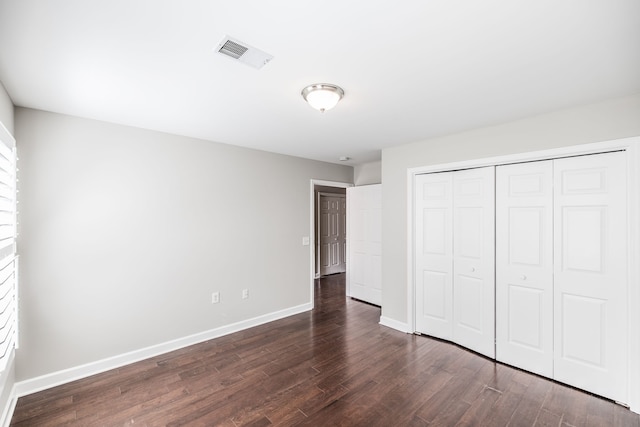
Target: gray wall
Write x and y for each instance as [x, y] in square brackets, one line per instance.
[125, 233]
[7, 377]
[368, 173]
[613, 119]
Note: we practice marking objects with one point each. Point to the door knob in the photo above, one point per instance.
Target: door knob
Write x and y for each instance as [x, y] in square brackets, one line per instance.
[473, 269]
[523, 277]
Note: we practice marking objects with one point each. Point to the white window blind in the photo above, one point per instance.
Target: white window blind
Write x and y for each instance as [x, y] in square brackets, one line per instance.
[8, 256]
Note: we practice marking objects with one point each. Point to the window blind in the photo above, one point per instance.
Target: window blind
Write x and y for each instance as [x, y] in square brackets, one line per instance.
[8, 256]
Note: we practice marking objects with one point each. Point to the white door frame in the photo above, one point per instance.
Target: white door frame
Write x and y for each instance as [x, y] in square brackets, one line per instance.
[632, 148]
[312, 223]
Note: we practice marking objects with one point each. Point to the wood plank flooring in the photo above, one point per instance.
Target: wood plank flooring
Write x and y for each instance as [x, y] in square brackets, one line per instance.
[334, 366]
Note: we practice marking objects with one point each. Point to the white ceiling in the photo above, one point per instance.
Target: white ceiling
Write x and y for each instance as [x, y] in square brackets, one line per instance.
[411, 69]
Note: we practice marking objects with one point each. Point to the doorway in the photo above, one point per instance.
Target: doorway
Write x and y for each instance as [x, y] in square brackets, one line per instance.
[330, 188]
[331, 233]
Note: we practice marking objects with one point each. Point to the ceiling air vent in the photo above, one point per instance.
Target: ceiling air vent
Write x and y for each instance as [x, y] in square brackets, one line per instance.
[233, 49]
[244, 53]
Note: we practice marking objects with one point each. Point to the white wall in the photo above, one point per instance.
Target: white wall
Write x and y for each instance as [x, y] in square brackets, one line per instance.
[7, 377]
[125, 233]
[368, 173]
[613, 119]
[6, 109]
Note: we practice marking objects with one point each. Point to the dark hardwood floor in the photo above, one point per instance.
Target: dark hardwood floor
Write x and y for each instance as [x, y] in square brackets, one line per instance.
[334, 366]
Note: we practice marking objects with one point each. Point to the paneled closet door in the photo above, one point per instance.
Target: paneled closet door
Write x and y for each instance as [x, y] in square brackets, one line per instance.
[364, 216]
[434, 254]
[524, 266]
[474, 259]
[590, 268]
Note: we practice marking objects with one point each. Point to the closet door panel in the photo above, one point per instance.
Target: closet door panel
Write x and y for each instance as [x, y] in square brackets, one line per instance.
[474, 260]
[524, 266]
[590, 304]
[433, 275]
[364, 207]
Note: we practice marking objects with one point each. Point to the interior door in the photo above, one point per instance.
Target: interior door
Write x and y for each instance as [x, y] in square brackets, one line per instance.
[434, 254]
[474, 259]
[332, 233]
[524, 266]
[364, 215]
[590, 268]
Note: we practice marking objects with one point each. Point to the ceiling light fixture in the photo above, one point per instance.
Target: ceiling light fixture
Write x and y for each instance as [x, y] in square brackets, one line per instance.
[322, 96]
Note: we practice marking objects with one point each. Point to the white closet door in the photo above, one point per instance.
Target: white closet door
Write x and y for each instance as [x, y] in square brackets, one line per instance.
[364, 216]
[474, 259]
[590, 284]
[524, 266]
[434, 254]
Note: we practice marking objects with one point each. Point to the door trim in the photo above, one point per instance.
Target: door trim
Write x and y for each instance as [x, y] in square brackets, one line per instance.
[631, 146]
[312, 222]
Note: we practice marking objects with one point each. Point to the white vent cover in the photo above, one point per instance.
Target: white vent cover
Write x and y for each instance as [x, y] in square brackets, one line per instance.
[244, 53]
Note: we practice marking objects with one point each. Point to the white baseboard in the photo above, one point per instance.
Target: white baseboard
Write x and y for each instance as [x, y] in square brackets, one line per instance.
[54, 379]
[394, 324]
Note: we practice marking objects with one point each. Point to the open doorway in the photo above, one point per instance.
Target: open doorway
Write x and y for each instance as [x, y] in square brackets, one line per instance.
[331, 231]
[328, 248]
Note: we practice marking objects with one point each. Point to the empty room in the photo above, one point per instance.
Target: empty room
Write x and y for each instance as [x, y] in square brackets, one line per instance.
[420, 213]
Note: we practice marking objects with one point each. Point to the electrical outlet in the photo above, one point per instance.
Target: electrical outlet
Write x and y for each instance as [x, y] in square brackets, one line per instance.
[245, 293]
[215, 297]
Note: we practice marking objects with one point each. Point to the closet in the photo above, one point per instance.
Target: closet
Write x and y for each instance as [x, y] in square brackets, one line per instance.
[561, 270]
[556, 231]
[455, 257]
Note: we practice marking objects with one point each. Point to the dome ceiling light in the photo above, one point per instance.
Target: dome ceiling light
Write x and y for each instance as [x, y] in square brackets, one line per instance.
[322, 96]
